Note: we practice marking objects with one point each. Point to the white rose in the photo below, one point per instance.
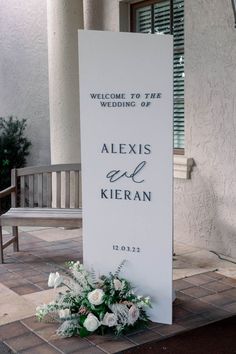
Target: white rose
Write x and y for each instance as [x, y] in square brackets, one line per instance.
[133, 314]
[91, 323]
[95, 297]
[117, 284]
[110, 320]
[64, 313]
[54, 280]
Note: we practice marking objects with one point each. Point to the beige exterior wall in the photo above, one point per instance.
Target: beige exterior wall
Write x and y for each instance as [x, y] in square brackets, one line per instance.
[205, 206]
[205, 212]
[24, 71]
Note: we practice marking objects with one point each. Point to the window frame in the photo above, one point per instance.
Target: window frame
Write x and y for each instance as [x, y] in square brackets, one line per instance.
[133, 8]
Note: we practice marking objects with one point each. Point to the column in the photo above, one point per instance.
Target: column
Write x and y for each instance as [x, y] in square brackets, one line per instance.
[65, 17]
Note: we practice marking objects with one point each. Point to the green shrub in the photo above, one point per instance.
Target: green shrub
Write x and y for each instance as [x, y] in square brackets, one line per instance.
[14, 148]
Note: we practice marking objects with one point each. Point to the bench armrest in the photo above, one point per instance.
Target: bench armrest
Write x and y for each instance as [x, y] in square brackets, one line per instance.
[7, 191]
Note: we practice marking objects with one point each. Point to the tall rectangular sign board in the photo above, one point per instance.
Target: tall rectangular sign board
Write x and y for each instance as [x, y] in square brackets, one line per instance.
[126, 100]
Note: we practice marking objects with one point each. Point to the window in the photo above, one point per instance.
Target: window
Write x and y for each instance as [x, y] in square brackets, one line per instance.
[166, 17]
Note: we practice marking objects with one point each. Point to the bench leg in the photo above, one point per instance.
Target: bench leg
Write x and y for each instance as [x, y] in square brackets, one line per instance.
[16, 242]
[1, 246]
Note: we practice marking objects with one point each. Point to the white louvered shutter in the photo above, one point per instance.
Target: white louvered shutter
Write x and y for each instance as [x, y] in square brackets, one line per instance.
[156, 18]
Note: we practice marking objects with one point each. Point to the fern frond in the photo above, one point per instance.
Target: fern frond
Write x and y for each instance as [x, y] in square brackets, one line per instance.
[122, 313]
[119, 268]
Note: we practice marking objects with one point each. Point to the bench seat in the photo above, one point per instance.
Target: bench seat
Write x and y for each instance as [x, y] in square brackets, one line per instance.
[51, 217]
[34, 191]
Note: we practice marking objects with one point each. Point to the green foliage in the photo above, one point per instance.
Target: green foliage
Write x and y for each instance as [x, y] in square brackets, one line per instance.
[14, 148]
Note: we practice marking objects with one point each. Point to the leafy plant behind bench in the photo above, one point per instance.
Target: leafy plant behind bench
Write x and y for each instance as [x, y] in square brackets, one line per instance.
[14, 148]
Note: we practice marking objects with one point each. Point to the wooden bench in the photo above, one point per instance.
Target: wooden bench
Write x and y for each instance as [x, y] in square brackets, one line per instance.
[42, 196]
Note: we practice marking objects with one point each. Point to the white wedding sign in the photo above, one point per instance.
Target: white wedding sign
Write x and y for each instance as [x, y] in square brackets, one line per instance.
[126, 141]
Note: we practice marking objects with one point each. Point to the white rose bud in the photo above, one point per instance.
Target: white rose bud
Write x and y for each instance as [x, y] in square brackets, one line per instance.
[117, 284]
[64, 313]
[133, 314]
[95, 297]
[91, 323]
[54, 280]
[51, 280]
[110, 320]
[58, 280]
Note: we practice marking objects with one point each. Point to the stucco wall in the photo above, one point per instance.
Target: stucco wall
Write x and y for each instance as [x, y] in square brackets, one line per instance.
[24, 71]
[205, 206]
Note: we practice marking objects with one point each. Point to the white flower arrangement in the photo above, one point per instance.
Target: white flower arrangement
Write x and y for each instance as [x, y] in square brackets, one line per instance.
[90, 305]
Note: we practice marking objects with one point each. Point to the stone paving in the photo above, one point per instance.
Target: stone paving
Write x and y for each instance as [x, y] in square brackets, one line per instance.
[204, 294]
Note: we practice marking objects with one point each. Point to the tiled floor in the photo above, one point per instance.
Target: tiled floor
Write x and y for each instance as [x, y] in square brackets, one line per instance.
[204, 296]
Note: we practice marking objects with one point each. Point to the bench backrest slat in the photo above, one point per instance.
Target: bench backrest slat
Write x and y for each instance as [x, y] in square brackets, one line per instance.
[47, 186]
[31, 191]
[67, 189]
[51, 168]
[22, 191]
[76, 196]
[49, 190]
[14, 183]
[58, 195]
[40, 190]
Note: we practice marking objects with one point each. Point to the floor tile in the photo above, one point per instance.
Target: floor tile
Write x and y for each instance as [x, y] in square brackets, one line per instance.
[4, 290]
[198, 292]
[96, 339]
[37, 278]
[144, 336]
[40, 349]
[193, 322]
[217, 286]
[182, 297]
[152, 325]
[90, 350]
[48, 333]
[215, 314]
[182, 248]
[15, 282]
[14, 329]
[230, 307]
[218, 300]
[34, 324]
[181, 284]
[231, 293]
[199, 279]
[197, 306]
[116, 345]
[214, 275]
[43, 285]
[68, 345]
[14, 307]
[42, 297]
[230, 281]
[25, 289]
[25, 341]
[32, 228]
[180, 312]
[4, 349]
[168, 330]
